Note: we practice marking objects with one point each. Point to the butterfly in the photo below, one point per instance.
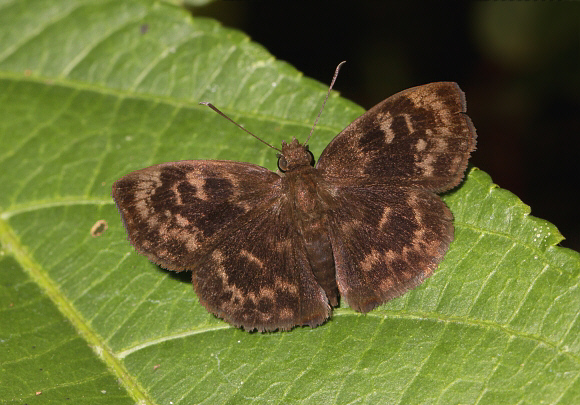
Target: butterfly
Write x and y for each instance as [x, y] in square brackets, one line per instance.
[274, 250]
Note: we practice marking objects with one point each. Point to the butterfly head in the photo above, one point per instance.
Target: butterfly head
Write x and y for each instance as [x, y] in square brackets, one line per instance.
[294, 155]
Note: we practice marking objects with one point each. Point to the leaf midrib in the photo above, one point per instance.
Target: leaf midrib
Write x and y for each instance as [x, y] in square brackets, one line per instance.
[9, 239]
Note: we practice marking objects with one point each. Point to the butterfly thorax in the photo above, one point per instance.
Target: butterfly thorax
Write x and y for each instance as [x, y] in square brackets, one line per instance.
[309, 202]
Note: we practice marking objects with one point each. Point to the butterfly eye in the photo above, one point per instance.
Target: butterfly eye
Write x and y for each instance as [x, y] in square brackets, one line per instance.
[311, 157]
[282, 163]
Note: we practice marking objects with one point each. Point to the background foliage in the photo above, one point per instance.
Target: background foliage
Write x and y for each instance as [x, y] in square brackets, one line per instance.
[517, 61]
[91, 90]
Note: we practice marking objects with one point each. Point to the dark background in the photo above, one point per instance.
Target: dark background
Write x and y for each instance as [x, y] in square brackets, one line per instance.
[518, 63]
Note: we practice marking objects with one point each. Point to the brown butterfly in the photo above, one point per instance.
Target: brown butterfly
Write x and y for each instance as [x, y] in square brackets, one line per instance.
[274, 250]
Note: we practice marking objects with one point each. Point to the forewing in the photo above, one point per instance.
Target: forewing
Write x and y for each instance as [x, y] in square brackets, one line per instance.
[386, 241]
[419, 137]
[171, 210]
[257, 274]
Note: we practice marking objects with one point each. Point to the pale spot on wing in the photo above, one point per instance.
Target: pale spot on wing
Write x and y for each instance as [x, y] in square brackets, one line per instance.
[385, 120]
[143, 195]
[414, 201]
[191, 244]
[385, 217]
[176, 193]
[142, 206]
[421, 145]
[267, 292]
[153, 221]
[218, 257]
[181, 220]
[251, 257]
[440, 145]
[455, 163]
[370, 259]
[146, 185]
[427, 165]
[386, 284]
[163, 229]
[409, 123]
[187, 237]
[418, 236]
[198, 182]
[389, 256]
[286, 313]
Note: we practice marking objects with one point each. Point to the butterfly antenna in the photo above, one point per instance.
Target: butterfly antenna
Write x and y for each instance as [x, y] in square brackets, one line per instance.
[213, 107]
[324, 103]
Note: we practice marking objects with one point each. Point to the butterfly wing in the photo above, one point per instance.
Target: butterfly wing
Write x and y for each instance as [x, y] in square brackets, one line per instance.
[258, 275]
[170, 210]
[390, 230]
[386, 241]
[228, 222]
[418, 137]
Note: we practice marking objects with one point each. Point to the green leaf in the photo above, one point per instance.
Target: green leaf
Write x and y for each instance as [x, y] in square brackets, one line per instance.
[91, 90]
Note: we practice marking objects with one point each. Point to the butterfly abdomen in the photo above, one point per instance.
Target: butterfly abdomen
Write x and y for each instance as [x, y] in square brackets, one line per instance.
[311, 218]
